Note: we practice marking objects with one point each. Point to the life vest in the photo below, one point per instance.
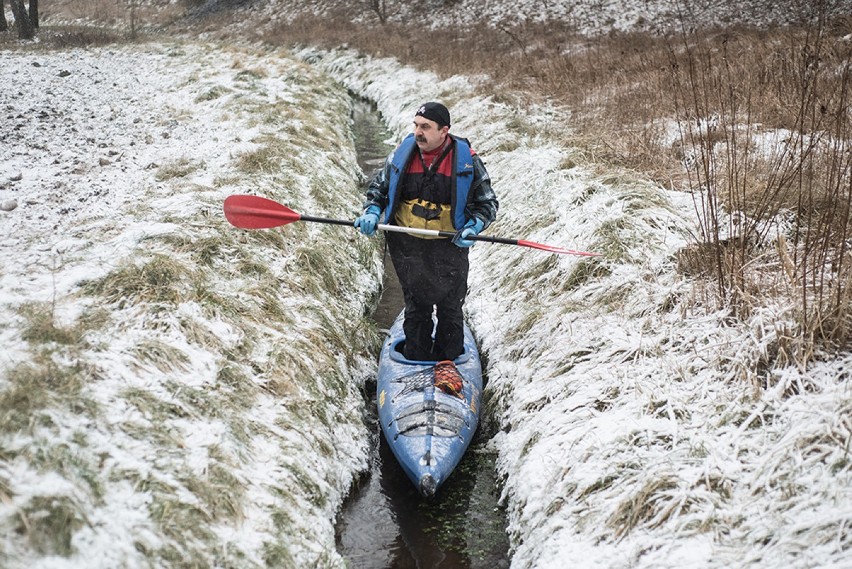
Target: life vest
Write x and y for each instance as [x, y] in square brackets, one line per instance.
[422, 213]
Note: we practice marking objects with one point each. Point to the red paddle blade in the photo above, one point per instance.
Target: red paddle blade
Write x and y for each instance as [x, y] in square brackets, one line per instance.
[255, 212]
[554, 249]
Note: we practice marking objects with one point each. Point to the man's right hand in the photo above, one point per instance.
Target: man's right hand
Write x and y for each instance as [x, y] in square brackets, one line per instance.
[368, 221]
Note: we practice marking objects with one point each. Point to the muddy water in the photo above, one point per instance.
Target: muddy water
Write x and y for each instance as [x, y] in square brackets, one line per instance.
[385, 523]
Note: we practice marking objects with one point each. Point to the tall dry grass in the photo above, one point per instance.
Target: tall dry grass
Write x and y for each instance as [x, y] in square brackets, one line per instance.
[764, 121]
[754, 122]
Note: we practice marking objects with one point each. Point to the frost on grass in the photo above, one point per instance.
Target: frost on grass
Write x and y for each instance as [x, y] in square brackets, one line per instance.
[177, 392]
[173, 390]
[639, 428]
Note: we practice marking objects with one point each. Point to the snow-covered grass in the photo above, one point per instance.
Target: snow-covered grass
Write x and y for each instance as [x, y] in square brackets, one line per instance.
[638, 427]
[174, 391]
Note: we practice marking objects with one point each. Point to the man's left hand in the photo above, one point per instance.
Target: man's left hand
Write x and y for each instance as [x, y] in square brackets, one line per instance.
[471, 228]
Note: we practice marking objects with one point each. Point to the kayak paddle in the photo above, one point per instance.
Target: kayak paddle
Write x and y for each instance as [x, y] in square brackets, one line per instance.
[255, 212]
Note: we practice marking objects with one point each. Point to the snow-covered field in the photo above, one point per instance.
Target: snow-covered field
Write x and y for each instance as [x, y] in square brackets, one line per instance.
[637, 427]
[176, 392]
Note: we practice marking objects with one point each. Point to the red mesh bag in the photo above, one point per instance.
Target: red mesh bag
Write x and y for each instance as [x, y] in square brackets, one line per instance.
[448, 379]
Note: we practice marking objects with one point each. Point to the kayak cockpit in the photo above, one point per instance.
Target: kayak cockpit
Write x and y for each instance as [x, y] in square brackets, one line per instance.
[396, 354]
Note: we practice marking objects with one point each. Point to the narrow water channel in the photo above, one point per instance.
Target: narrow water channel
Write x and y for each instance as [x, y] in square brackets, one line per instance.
[385, 523]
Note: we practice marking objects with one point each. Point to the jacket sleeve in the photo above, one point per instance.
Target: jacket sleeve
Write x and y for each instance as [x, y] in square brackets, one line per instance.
[377, 190]
[483, 203]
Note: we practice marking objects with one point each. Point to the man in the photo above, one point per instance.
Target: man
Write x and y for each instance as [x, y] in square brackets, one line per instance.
[433, 180]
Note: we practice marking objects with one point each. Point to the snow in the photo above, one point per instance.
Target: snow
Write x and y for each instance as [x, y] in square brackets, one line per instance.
[86, 158]
[637, 426]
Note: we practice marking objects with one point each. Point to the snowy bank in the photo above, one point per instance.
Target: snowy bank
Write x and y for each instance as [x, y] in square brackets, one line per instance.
[174, 391]
[638, 427]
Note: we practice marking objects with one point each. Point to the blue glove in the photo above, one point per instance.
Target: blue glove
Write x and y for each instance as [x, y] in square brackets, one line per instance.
[472, 227]
[368, 221]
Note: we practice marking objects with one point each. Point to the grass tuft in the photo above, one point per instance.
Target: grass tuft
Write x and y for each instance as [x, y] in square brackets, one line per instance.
[159, 280]
[219, 491]
[277, 554]
[49, 522]
[271, 156]
[38, 385]
[161, 355]
[642, 507]
[212, 94]
[180, 168]
[585, 270]
[41, 327]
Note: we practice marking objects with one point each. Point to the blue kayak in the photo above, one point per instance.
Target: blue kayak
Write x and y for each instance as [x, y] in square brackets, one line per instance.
[428, 410]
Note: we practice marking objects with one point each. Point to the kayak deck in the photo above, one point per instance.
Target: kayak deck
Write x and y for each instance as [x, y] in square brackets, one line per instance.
[428, 410]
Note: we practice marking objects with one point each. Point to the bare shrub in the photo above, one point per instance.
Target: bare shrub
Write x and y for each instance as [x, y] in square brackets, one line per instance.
[767, 131]
[134, 16]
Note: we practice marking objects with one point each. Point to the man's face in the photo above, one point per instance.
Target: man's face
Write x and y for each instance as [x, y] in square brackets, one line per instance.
[428, 134]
